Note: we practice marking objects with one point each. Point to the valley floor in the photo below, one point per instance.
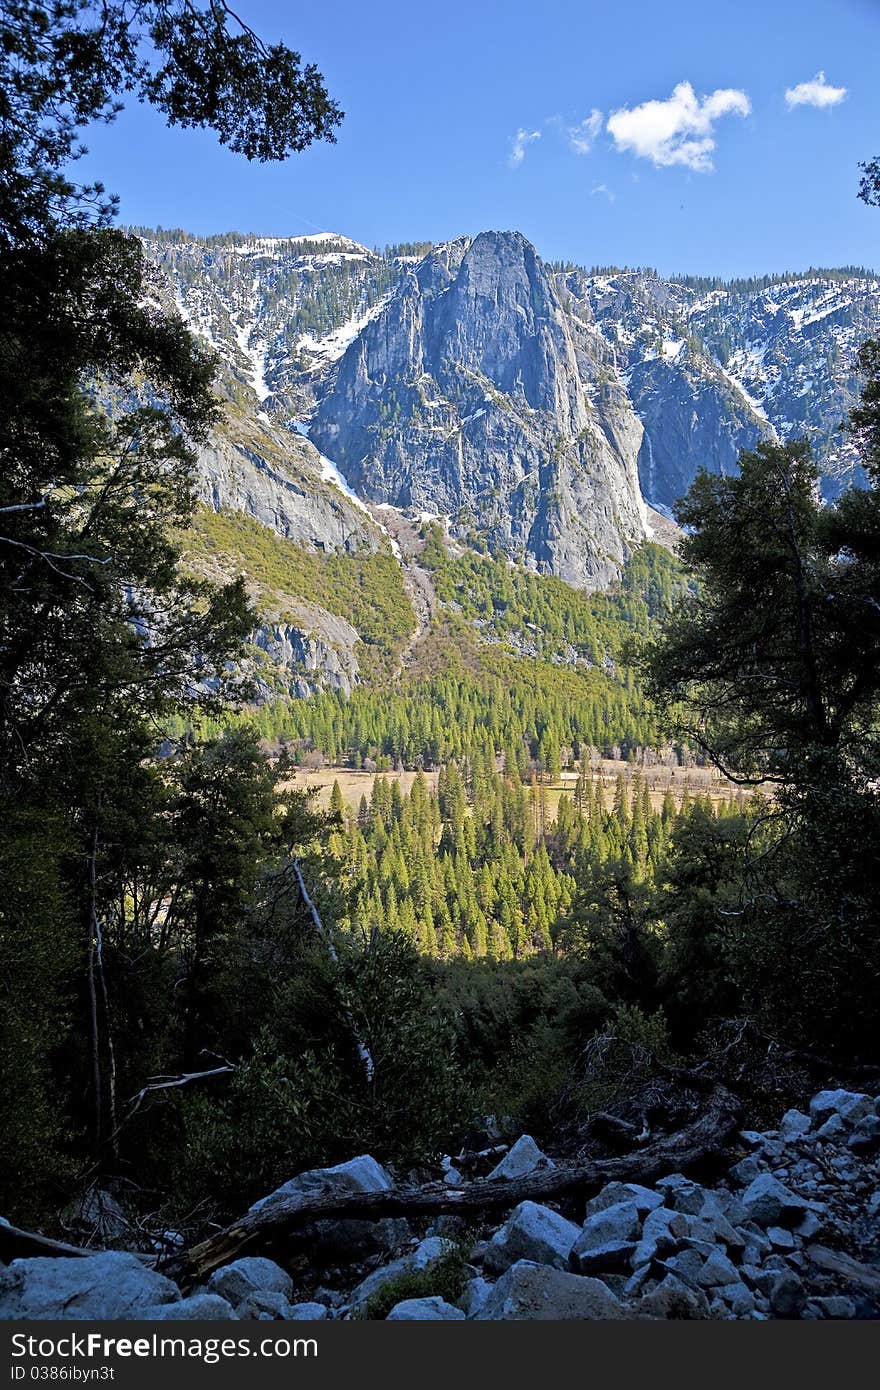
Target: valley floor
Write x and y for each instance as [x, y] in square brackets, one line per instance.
[682, 782]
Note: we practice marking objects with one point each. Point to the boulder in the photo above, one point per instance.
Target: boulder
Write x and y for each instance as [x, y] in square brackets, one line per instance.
[308, 1312]
[99, 1212]
[644, 1199]
[793, 1126]
[787, 1296]
[529, 1292]
[618, 1223]
[475, 1295]
[833, 1306]
[768, 1202]
[834, 1130]
[687, 1266]
[865, 1138]
[430, 1250]
[673, 1300]
[361, 1174]
[525, 1157]
[201, 1306]
[738, 1298]
[615, 1257]
[661, 1230]
[863, 1276]
[264, 1306]
[717, 1271]
[851, 1106]
[722, 1230]
[249, 1275]
[781, 1239]
[532, 1232]
[425, 1310]
[103, 1288]
[682, 1194]
[364, 1291]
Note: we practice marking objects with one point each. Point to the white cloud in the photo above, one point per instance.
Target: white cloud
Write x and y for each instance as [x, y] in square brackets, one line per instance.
[604, 190]
[818, 92]
[581, 137]
[518, 146]
[679, 130]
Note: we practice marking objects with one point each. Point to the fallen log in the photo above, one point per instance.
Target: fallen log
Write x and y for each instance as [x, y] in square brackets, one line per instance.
[16, 1244]
[279, 1224]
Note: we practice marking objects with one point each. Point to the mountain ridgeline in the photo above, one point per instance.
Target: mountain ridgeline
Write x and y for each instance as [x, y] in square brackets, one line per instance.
[552, 415]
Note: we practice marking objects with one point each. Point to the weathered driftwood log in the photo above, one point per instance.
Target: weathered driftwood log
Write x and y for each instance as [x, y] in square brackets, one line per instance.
[281, 1223]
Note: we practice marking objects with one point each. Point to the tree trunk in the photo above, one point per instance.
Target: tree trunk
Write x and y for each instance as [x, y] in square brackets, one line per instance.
[280, 1224]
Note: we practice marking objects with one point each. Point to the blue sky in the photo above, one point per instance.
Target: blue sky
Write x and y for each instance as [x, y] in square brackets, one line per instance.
[636, 132]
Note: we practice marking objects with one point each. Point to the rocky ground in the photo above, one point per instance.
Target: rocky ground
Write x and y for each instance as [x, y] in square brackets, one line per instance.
[792, 1231]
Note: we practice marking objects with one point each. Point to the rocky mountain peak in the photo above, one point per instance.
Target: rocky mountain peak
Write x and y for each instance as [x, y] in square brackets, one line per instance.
[463, 396]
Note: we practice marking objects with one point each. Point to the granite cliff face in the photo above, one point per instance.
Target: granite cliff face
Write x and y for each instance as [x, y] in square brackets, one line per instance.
[711, 368]
[531, 407]
[473, 395]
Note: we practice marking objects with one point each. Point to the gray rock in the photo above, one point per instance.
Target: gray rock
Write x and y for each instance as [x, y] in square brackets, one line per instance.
[364, 1291]
[103, 1288]
[660, 1231]
[429, 1251]
[781, 1239]
[769, 1203]
[834, 1130]
[728, 1234]
[673, 1299]
[687, 1266]
[308, 1312]
[644, 1199]
[525, 1157]
[474, 1296]
[532, 1232]
[618, 1223]
[865, 1138]
[863, 1276]
[250, 1275]
[201, 1306]
[810, 1226]
[529, 1292]
[361, 1174]
[425, 1310]
[262, 1305]
[717, 1271]
[99, 1211]
[833, 1306]
[787, 1296]
[746, 1170]
[688, 1197]
[738, 1298]
[635, 1285]
[614, 1257]
[793, 1126]
[851, 1106]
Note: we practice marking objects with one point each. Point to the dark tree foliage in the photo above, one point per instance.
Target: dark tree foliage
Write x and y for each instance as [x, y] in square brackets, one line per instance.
[869, 184]
[773, 666]
[121, 872]
[775, 656]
